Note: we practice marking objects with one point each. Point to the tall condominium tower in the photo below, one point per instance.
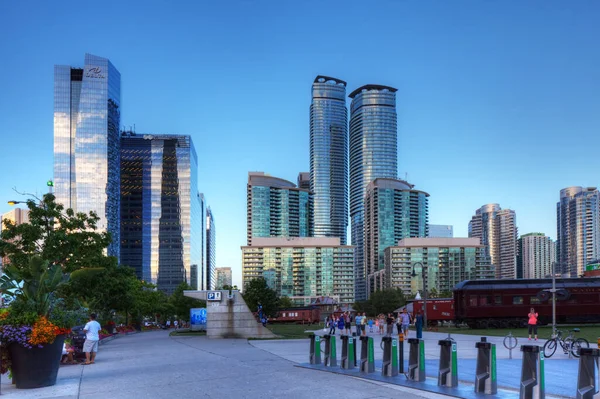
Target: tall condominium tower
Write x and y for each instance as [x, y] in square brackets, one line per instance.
[277, 208]
[329, 157]
[497, 230]
[86, 141]
[211, 250]
[440, 231]
[161, 218]
[578, 229]
[224, 277]
[537, 253]
[393, 211]
[304, 180]
[373, 154]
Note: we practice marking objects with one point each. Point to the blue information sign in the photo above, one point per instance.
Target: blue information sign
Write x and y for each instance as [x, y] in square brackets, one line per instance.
[198, 318]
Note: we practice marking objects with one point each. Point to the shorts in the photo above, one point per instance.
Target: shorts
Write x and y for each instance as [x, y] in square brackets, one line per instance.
[404, 327]
[347, 326]
[532, 327]
[90, 346]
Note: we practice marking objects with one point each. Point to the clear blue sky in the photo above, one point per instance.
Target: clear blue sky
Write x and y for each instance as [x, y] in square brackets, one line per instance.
[498, 101]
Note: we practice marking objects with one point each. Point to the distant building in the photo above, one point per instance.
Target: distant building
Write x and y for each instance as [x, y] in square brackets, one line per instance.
[223, 277]
[447, 262]
[578, 229]
[277, 208]
[329, 157]
[537, 253]
[16, 216]
[304, 180]
[373, 154]
[211, 250]
[302, 267]
[161, 225]
[440, 231]
[497, 230]
[393, 210]
[87, 117]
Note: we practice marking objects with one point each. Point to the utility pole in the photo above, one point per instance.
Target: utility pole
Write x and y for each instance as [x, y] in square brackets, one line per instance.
[553, 299]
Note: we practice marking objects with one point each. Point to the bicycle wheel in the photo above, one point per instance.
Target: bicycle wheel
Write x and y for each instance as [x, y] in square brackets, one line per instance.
[578, 344]
[550, 348]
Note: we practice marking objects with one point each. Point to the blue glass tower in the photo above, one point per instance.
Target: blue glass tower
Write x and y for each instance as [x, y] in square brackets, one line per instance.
[329, 157]
[86, 141]
[373, 154]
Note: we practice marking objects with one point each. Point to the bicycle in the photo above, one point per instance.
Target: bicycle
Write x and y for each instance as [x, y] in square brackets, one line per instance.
[568, 344]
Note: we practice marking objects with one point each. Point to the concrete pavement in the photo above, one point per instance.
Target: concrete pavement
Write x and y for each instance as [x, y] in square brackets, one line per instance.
[154, 365]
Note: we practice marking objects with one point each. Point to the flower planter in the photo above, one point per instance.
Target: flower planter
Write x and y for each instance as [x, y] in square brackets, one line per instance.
[36, 367]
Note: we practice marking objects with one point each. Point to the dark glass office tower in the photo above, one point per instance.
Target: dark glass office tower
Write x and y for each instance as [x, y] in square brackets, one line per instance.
[86, 141]
[160, 208]
[329, 157]
[373, 154]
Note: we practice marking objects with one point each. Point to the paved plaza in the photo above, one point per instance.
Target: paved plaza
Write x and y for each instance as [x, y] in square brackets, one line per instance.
[154, 365]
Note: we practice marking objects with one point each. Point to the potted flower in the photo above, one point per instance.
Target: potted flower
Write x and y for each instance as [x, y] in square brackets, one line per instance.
[33, 328]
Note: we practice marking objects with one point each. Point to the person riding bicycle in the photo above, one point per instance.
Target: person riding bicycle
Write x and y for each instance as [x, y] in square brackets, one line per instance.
[532, 323]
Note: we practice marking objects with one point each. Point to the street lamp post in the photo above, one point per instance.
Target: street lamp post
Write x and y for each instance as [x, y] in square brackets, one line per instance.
[414, 274]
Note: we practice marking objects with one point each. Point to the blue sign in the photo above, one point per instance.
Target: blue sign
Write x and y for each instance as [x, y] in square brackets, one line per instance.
[198, 318]
[213, 296]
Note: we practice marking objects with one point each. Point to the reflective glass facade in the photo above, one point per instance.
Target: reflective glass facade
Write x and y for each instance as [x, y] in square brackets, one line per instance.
[447, 262]
[329, 157]
[86, 141]
[211, 250]
[160, 237]
[277, 208]
[393, 211]
[440, 231]
[373, 154]
[224, 277]
[302, 267]
[578, 229]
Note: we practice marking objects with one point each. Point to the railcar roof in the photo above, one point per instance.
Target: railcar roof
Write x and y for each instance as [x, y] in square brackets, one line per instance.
[527, 283]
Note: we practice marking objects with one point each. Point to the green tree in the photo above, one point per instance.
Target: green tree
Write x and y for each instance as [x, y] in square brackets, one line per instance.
[433, 293]
[150, 302]
[58, 236]
[446, 294]
[285, 302]
[381, 302]
[256, 292]
[181, 304]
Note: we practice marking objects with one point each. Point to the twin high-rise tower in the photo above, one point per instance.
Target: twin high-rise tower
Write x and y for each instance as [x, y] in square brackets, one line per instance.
[369, 151]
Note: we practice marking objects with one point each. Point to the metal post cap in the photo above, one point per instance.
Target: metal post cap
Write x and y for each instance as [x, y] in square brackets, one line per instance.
[445, 342]
[483, 339]
[589, 352]
[530, 348]
[386, 339]
[483, 345]
[413, 340]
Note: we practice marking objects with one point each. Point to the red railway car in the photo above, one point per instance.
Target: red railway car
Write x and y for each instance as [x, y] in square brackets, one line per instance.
[439, 310]
[303, 315]
[505, 303]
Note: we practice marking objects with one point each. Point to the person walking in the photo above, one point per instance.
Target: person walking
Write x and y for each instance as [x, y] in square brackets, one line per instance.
[419, 324]
[363, 325]
[357, 320]
[381, 323]
[370, 325]
[340, 324]
[90, 346]
[347, 323]
[404, 322]
[390, 325]
[532, 323]
[331, 325]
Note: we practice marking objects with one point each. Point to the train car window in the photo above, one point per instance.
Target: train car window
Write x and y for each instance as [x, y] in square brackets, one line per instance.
[498, 299]
[283, 315]
[473, 300]
[483, 301]
[517, 300]
[434, 307]
[534, 300]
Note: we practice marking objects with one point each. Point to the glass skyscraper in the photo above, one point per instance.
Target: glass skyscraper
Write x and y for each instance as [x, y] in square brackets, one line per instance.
[329, 157]
[277, 208]
[86, 141]
[394, 210]
[373, 154]
[578, 229]
[211, 250]
[161, 224]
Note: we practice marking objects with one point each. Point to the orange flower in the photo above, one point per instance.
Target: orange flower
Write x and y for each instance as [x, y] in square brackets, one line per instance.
[43, 332]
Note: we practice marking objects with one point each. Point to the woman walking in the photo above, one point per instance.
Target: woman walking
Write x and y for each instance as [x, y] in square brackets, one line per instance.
[532, 323]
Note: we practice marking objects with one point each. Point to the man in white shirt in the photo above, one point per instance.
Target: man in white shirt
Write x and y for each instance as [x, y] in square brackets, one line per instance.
[90, 346]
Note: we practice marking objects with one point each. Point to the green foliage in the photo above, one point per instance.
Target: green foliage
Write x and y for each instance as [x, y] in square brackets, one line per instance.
[258, 292]
[446, 294]
[34, 284]
[432, 293]
[381, 302]
[58, 236]
[229, 287]
[181, 305]
[66, 316]
[285, 302]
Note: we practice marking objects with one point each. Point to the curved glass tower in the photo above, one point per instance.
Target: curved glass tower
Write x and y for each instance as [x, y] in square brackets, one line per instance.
[373, 154]
[329, 157]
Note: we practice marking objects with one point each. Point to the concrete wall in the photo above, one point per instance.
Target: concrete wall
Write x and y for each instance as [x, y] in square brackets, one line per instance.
[230, 318]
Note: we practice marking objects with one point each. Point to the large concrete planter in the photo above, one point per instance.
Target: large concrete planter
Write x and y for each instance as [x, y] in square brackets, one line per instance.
[36, 367]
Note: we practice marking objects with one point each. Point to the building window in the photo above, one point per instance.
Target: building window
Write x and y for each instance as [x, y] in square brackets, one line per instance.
[534, 300]
[517, 300]
[498, 299]
[473, 300]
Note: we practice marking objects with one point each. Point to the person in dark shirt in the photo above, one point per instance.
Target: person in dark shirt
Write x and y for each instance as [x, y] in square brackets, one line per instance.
[390, 324]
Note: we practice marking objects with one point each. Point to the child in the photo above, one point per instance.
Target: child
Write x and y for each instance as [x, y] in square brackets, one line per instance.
[370, 325]
[67, 353]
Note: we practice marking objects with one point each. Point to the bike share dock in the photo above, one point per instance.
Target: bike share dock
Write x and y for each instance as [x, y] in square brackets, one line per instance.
[454, 367]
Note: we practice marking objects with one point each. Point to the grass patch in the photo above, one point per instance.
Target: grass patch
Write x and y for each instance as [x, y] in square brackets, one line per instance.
[292, 331]
[186, 333]
[589, 332]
